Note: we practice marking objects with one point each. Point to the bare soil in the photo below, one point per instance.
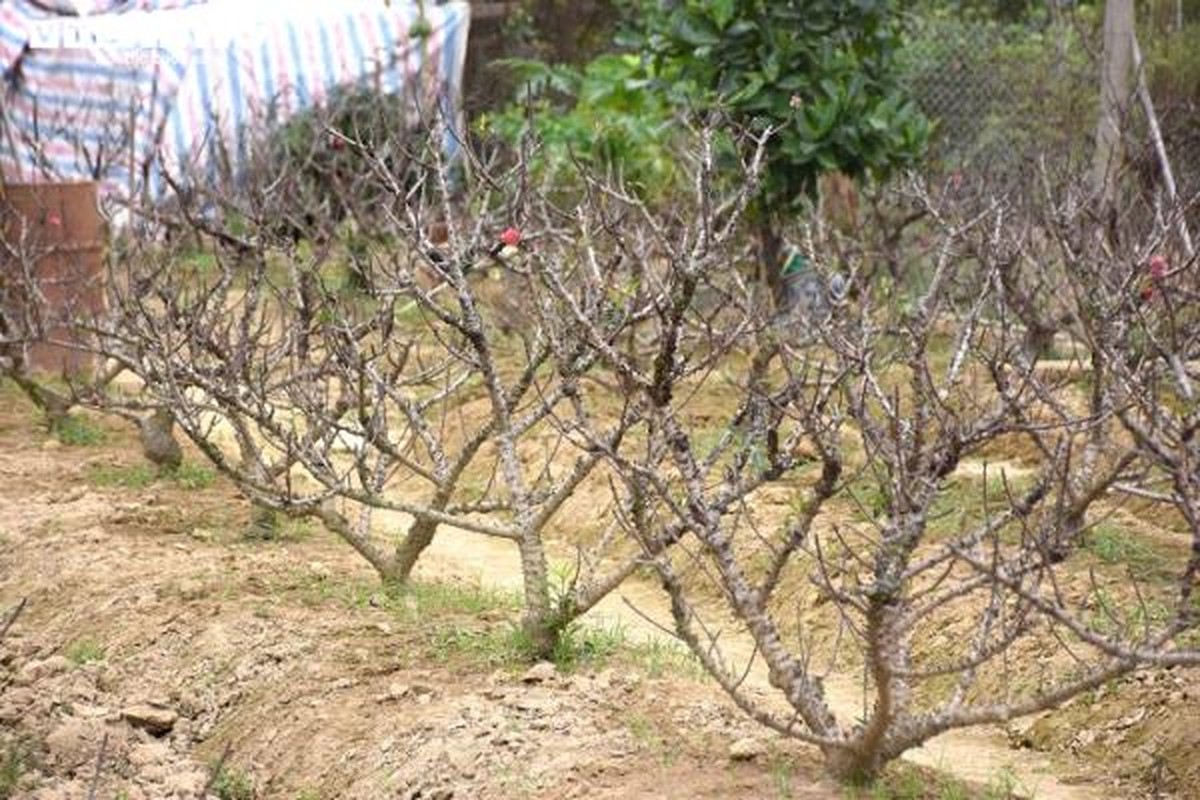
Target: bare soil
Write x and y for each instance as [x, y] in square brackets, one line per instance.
[155, 640]
[157, 643]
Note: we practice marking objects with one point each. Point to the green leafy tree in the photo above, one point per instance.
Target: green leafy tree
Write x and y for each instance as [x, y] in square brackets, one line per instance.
[603, 114]
[821, 73]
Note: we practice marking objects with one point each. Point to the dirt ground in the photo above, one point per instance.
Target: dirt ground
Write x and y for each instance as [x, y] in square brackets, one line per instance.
[154, 638]
[161, 655]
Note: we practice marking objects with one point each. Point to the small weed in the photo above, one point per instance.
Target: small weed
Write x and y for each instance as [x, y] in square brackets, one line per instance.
[510, 647]
[412, 601]
[647, 734]
[297, 530]
[1004, 786]
[953, 789]
[1113, 545]
[1113, 616]
[659, 658]
[194, 476]
[113, 476]
[78, 431]
[309, 794]
[781, 769]
[85, 651]
[232, 784]
[641, 728]
[868, 497]
[964, 500]
[707, 442]
[506, 647]
[905, 782]
[579, 644]
[203, 263]
[14, 763]
[452, 597]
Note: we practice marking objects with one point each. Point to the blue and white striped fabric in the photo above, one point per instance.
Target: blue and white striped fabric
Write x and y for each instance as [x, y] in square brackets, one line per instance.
[119, 97]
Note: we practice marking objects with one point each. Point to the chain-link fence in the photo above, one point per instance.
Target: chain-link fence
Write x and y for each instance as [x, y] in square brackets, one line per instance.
[1003, 95]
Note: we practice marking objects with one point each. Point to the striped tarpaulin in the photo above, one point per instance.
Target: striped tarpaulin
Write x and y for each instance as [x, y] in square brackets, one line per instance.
[120, 97]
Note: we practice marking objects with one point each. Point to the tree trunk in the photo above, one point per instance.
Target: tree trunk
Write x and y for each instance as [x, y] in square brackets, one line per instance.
[852, 766]
[409, 550]
[1115, 95]
[540, 623]
[770, 258]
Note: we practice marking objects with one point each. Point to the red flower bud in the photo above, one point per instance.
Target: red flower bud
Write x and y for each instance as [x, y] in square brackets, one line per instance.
[53, 219]
[511, 237]
[335, 142]
[1158, 267]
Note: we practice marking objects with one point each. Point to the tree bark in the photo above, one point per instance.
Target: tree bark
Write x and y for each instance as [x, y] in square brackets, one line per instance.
[770, 257]
[419, 536]
[1115, 94]
[540, 623]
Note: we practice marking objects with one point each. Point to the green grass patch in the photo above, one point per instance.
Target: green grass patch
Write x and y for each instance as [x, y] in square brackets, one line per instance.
[189, 476]
[782, 770]
[297, 530]
[509, 647]
[868, 498]
[233, 784]
[115, 476]
[964, 502]
[201, 263]
[505, 646]
[906, 782]
[456, 617]
[193, 476]
[1112, 544]
[15, 761]
[85, 651]
[1129, 619]
[658, 658]
[76, 430]
[580, 646]
[443, 598]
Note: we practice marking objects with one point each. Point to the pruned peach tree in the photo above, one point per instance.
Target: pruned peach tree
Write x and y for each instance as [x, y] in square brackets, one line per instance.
[900, 488]
[448, 384]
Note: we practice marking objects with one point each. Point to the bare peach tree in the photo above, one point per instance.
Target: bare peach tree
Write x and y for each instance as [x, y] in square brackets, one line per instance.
[449, 383]
[1140, 317]
[840, 488]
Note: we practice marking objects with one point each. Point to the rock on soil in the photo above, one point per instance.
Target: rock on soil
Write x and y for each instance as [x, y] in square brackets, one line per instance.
[150, 718]
[747, 749]
[541, 672]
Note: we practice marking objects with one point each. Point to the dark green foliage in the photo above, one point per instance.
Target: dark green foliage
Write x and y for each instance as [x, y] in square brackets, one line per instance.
[821, 73]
